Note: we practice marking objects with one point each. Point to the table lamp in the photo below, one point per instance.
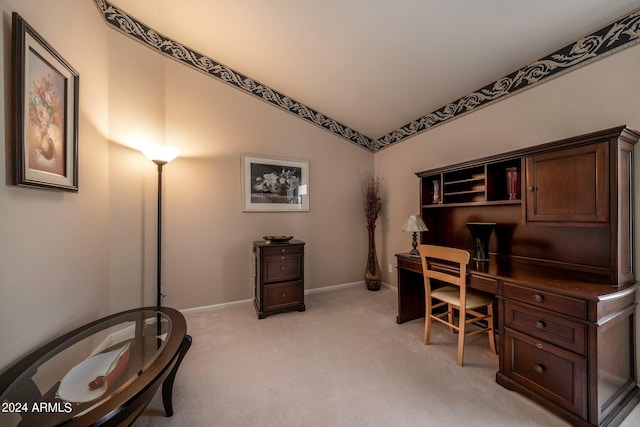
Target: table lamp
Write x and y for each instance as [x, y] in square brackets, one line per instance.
[414, 224]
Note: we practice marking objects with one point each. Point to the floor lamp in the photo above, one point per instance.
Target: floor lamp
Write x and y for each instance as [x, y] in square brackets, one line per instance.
[160, 155]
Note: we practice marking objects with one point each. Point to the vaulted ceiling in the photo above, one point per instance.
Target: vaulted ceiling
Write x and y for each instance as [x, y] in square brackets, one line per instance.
[378, 71]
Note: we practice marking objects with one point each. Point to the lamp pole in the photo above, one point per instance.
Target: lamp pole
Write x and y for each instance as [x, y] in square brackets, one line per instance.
[160, 155]
[159, 293]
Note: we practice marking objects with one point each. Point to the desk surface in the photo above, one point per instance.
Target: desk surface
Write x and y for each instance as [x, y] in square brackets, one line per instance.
[486, 277]
[88, 374]
[561, 281]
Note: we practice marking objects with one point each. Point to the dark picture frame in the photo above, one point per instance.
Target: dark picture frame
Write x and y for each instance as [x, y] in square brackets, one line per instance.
[274, 184]
[45, 115]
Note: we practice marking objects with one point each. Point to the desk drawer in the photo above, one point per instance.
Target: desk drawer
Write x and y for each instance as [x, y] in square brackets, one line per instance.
[557, 374]
[566, 333]
[485, 284]
[281, 268]
[550, 301]
[282, 295]
[413, 264]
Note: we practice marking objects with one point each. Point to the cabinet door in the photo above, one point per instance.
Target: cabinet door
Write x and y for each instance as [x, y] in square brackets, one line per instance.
[569, 185]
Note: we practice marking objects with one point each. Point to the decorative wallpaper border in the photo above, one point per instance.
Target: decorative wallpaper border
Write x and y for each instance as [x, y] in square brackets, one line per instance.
[620, 34]
[130, 26]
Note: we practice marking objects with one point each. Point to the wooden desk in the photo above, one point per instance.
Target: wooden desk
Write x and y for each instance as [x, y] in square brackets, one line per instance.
[565, 341]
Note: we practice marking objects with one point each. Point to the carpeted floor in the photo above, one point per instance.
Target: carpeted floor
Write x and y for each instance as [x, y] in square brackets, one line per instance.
[343, 362]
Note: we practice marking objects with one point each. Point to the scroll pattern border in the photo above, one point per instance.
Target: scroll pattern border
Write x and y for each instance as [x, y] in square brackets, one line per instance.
[151, 38]
[620, 34]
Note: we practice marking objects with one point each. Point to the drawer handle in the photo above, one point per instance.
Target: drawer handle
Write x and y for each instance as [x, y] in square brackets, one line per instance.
[284, 295]
[283, 250]
[530, 188]
[538, 298]
[282, 268]
[540, 369]
[540, 324]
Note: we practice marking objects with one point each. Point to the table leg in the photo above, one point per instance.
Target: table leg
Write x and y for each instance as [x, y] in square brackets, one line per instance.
[167, 385]
[410, 295]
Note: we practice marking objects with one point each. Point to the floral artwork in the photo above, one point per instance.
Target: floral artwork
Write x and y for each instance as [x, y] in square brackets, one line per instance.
[45, 118]
[274, 184]
[45, 113]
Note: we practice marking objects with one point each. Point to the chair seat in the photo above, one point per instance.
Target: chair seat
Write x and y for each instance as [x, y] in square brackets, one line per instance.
[451, 295]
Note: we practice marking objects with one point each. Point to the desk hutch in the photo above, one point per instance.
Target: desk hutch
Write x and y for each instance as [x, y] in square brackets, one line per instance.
[561, 266]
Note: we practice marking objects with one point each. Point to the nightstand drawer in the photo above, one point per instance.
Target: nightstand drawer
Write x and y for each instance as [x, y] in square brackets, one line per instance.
[282, 295]
[282, 250]
[550, 301]
[282, 268]
[566, 333]
[555, 373]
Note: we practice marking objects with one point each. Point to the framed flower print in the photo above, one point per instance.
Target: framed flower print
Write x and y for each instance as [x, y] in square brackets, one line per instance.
[45, 113]
[274, 184]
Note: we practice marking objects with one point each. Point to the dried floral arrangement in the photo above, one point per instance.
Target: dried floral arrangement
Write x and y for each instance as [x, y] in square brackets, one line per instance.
[371, 197]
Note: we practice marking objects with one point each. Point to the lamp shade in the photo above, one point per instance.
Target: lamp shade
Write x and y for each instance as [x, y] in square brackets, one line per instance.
[160, 153]
[415, 223]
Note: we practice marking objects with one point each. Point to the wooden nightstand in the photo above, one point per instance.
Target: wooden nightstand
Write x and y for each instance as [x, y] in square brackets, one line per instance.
[278, 284]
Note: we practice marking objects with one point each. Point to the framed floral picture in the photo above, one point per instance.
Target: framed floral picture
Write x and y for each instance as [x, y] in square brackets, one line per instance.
[274, 184]
[45, 113]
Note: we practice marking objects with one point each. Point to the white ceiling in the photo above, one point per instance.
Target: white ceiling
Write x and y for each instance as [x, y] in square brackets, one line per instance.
[375, 65]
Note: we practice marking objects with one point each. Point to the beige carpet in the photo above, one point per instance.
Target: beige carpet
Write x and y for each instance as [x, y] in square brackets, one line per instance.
[343, 362]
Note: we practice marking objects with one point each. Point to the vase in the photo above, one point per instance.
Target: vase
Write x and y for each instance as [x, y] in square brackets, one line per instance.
[481, 233]
[372, 275]
[513, 183]
[436, 192]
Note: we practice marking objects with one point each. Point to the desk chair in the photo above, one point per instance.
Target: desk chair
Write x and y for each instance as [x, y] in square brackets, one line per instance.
[454, 272]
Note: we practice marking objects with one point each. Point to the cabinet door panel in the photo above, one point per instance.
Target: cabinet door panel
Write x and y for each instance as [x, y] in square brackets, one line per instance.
[568, 185]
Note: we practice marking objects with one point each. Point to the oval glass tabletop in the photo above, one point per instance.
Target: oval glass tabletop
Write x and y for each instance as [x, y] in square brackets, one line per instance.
[81, 370]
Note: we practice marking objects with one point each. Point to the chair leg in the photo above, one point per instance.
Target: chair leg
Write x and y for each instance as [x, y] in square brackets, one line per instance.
[450, 318]
[427, 328]
[492, 335]
[461, 332]
[427, 321]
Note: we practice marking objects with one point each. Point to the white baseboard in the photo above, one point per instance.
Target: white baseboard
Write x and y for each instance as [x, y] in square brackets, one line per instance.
[333, 287]
[214, 307]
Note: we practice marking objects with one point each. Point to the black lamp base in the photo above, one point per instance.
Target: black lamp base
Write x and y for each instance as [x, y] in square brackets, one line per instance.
[414, 243]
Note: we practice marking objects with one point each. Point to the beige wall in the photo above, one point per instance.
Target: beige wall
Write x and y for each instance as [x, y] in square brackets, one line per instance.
[54, 245]
[206, 236]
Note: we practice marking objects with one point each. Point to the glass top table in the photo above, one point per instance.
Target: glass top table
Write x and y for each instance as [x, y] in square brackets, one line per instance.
[103, 373]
